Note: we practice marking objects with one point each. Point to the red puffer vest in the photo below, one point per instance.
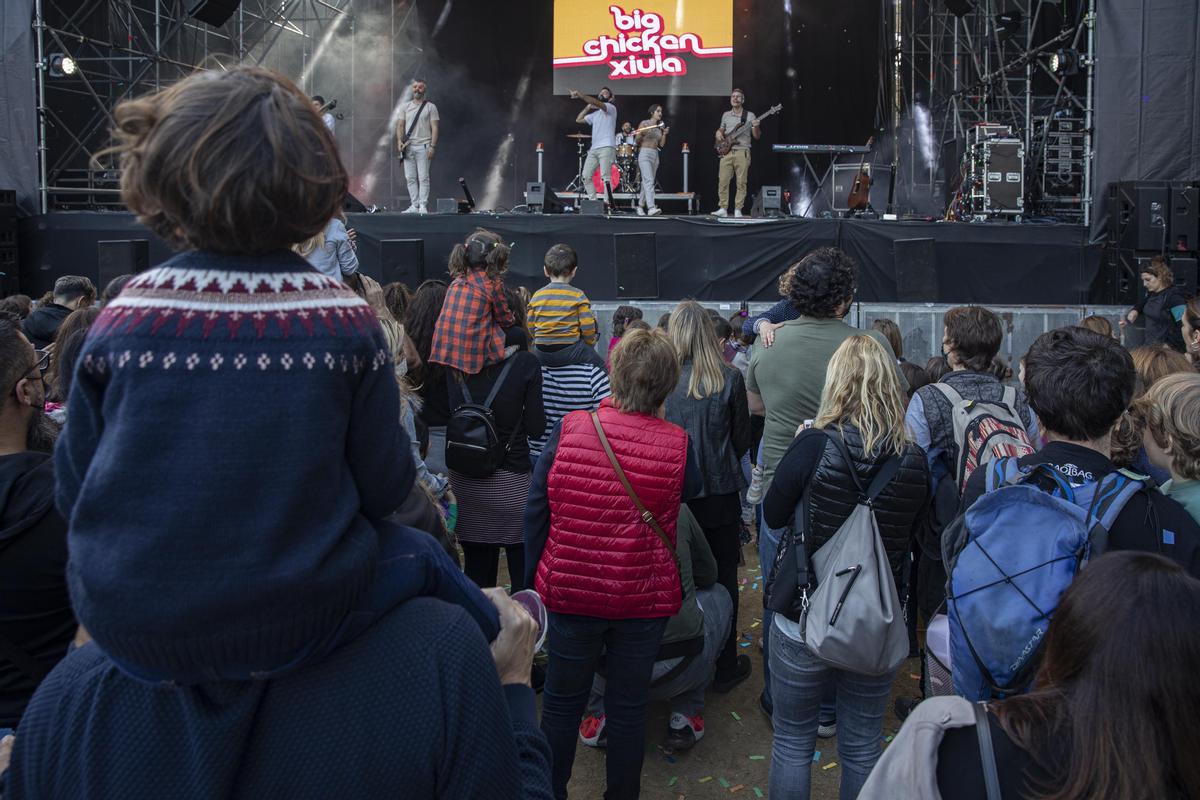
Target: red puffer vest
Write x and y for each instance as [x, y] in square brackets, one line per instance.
[601, 559]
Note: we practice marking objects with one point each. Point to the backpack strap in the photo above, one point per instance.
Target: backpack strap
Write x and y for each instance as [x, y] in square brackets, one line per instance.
[987, 755]
[949, 391]
[462, 387]
[1114, 491]
[499, 382]
[1001, 472]
[1009, 398]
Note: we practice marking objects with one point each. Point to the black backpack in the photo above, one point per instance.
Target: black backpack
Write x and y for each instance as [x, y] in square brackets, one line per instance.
[473, 447]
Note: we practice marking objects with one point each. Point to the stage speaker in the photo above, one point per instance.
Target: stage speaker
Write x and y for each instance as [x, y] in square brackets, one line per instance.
[768, 202]
[402, 260]
[1138, 214]
[1185, 268]
[636, 257]
[1119, 282]
[541, 199]
[1185, 218]
[915, 262]
[352, 205]
[214, 12]
[121, 257]
[447, 205]
[593, 208]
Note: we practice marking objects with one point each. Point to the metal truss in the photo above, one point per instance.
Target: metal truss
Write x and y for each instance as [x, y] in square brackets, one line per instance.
[126, 48]
[967, 70]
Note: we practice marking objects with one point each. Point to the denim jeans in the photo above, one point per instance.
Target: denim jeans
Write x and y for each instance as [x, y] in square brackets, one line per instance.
[685, 691]
[575, 643]
[799, 681]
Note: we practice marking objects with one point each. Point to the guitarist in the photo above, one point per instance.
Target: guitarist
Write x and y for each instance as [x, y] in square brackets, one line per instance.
[416, 140]
[737, 126]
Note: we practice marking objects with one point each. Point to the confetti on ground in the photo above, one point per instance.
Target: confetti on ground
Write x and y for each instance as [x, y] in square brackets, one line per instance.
[758, 758]
[734, 714]
[830, 765]
[753, 624]
[736, 789]
[754, 586]
[887, 739]
[816, 756]
[914, 677]
[706, 779]
[723, 782]
[741, 588]
[743, 581]
[674, 780]
[757, 792]
[743, 644]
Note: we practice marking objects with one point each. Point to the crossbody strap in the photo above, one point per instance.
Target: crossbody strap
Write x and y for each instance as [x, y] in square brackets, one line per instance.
[412, 126]
[881, 479]
[647, 517]
[987, 755]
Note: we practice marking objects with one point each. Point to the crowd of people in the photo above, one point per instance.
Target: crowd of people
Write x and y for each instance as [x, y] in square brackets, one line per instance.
[251, 491]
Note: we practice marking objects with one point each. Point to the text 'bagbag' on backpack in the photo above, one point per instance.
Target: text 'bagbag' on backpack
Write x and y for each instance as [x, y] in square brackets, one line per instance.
[1009, 558]
[851, 619]
[984, 431]
[473, 446]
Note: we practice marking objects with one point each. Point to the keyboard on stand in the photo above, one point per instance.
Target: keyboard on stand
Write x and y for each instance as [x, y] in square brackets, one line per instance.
[824, 149]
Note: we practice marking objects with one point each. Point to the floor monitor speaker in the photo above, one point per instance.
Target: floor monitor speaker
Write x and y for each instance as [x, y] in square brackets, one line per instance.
[120, 257]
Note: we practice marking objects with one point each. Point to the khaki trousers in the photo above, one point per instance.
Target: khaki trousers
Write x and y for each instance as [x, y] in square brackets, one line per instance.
[735, 164]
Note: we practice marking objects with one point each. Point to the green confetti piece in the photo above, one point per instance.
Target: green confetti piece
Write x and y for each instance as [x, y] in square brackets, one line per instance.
[734, 714]
[674, 780]
[758, 758]
[757, 792]
[706, 779]
[724, 782]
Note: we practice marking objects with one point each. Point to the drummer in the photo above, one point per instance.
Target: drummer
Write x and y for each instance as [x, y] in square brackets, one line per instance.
[651, 136]
[626, 138]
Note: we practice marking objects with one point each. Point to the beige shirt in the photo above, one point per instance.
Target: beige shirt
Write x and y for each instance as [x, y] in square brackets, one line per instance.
[651, 138]
[423, 134]
[730, 120]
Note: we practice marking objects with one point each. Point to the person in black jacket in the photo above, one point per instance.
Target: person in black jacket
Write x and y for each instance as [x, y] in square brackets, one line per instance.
[1079, 385]
[70, 292]
[863, 400]
[709, 402]
[1163, 306]
[36, 620]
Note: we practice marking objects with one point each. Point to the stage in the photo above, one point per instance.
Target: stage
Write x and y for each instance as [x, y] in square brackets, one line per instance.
[687, 256]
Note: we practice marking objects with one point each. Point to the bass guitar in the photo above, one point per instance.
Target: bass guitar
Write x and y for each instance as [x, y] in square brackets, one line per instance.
[860, 192]
[723, 146]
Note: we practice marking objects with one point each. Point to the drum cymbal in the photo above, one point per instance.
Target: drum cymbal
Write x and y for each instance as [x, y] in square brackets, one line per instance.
[578, 136]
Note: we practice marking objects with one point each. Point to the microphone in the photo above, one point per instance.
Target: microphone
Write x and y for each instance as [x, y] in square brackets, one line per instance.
[462, 182]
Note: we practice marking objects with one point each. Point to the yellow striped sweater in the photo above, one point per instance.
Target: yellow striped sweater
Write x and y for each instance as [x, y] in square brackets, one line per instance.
[561, 314]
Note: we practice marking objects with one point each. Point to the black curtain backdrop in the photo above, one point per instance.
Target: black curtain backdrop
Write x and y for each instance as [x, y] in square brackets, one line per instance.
[1147, 98]
[18, 107]
[489, 70]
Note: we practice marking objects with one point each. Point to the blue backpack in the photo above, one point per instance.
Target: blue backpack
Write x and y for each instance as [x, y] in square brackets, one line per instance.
[1010, 557]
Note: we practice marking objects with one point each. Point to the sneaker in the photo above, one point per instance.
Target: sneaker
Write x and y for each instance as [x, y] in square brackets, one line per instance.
[422, 209]
[654, 211]
[641, 212]
[741, 671]
[738, 214]
[684, 732]
[413, 209]
[591, 731]
[905, 706]
[827, 730]
[720, 212]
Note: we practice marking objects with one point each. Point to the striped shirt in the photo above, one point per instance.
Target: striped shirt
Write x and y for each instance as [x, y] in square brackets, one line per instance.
[561, 314]
[572, 387]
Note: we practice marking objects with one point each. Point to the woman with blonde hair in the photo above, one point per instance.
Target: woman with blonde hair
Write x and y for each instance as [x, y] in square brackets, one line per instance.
[709, 402]
[861, 416]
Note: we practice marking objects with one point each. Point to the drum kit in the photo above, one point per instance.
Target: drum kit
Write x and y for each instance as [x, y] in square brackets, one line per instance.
[624, 178]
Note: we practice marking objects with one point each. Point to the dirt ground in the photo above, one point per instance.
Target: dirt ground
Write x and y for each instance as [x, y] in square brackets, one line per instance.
[734, 757]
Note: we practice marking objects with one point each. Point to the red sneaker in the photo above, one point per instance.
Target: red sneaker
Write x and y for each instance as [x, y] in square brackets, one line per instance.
[591, 731]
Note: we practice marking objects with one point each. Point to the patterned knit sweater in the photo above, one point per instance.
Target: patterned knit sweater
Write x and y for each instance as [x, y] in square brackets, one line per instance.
[233, 432]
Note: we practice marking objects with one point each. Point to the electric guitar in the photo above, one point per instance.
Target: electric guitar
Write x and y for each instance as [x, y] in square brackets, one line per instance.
[723, 146]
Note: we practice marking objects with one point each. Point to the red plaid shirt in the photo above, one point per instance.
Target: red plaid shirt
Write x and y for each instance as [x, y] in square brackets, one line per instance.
[469, 332]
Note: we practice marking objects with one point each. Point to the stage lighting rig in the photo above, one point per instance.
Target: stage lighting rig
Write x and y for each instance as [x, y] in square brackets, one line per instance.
[1065, 61]
[61, 65]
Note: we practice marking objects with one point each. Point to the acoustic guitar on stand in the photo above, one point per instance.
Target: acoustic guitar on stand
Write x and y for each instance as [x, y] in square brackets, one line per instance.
[723, 146]
[860, 192]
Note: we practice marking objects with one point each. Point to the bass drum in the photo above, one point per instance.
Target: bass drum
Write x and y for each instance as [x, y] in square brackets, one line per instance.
[630, 175]
[614, 180]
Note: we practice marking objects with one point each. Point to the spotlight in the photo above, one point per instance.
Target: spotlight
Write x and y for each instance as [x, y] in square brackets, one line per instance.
[1065, 61]
[1008, 24]
[61, 65]
[960, 8]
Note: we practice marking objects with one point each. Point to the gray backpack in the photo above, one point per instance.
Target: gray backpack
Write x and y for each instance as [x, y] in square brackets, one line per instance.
[852, 620]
